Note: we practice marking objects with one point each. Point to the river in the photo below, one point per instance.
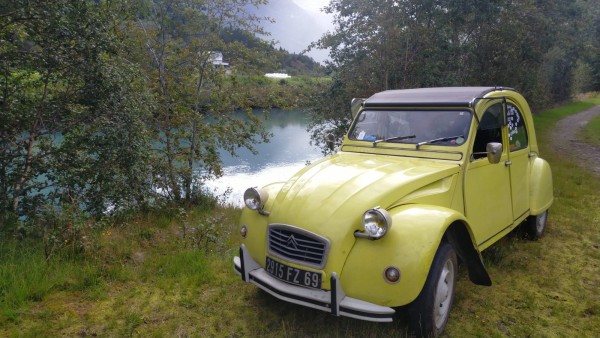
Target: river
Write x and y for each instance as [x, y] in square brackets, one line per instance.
[287, 152]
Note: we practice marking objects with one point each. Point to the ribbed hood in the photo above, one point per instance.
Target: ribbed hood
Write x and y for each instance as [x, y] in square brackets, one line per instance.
[329, 197]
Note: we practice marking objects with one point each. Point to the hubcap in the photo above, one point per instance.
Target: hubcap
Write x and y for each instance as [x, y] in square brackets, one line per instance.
[443, 294]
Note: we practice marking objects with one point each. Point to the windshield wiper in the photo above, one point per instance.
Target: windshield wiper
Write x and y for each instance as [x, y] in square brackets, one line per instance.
[441, 139]
[395, 138]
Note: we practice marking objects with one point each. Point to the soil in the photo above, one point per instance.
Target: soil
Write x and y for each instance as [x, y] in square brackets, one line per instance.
[566, 140]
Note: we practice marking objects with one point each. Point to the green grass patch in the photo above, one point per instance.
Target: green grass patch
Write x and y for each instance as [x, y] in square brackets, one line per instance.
[190, 267]
[547, 119]
[27, 277]
[591, 132]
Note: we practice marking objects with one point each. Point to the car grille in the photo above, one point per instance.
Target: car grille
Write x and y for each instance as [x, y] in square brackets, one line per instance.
[297, 245]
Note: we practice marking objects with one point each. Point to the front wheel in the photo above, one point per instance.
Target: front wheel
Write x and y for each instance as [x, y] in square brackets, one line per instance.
[535, 225]
[428, 314]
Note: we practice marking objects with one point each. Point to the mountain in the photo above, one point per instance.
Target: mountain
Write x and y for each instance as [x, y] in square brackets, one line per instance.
[294, 27]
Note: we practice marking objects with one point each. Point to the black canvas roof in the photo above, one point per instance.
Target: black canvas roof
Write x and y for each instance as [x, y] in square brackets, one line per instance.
[429, 97]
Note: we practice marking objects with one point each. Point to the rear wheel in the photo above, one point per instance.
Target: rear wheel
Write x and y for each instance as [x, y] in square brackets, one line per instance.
[428, 314]
[535, 225]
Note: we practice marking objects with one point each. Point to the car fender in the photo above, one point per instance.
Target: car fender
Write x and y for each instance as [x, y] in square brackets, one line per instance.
[410, 245]
[541, 188]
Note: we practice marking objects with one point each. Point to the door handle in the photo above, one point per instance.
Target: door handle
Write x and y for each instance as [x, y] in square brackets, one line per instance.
[507, 163]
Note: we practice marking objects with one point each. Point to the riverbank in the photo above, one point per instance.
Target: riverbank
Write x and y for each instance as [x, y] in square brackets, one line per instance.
[169, 273]
[289, 93]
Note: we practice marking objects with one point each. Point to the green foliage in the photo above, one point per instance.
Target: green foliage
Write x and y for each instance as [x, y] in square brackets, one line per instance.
[205, 234]
[73, 111]
[63, 230]
[286, 62]
[298, 64]
[179, 46]
[330, 114]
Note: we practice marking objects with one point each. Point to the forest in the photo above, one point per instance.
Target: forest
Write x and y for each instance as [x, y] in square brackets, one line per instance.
[114, 107]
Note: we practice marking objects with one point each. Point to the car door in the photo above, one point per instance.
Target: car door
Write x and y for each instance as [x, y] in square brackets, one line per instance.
[518, 159]
[487, 193]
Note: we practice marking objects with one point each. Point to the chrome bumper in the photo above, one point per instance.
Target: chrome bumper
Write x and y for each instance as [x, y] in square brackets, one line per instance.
[334, 301]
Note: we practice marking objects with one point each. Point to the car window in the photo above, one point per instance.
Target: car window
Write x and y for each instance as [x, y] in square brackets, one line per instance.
[517, 132]
[489, 130]
[372, 125]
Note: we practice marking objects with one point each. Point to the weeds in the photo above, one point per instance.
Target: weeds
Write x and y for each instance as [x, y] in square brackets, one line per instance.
[206, 233]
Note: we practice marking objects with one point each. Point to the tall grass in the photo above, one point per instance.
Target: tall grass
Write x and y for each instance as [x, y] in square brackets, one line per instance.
[26, 276]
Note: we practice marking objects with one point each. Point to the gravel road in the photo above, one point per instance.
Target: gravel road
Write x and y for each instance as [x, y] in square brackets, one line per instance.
[565, 139]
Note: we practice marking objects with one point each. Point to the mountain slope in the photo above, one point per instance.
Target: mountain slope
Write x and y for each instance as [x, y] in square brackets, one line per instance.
[294, 28]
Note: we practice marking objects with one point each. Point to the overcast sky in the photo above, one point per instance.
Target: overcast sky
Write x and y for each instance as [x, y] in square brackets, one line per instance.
[312, 5]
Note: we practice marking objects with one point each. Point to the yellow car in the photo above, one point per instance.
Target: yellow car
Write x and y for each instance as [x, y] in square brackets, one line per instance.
[423, 179]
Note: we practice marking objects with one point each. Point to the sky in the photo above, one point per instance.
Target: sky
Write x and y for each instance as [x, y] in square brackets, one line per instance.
[312, 5]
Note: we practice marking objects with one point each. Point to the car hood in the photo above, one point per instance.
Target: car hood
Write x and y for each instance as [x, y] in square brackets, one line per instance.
[329, 197]
[340, 188]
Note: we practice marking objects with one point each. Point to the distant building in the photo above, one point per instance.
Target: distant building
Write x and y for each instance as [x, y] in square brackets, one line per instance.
[216, 58]
[277, 75]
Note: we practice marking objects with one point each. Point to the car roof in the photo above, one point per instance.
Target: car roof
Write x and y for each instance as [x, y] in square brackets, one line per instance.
[430, 97]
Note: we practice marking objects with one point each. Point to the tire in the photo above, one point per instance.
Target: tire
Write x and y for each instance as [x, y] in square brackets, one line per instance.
[428, 314]
[535, 225]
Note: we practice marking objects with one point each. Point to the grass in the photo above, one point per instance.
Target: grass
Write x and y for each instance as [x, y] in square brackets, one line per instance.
[170, 274]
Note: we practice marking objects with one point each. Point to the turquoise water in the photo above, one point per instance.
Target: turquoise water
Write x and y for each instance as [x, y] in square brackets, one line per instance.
[287, 152]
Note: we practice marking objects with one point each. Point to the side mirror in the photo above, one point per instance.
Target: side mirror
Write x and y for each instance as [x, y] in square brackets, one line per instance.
[494, 152]
[355, 106]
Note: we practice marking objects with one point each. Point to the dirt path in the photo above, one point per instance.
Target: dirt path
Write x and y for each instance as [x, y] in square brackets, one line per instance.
[565, 139]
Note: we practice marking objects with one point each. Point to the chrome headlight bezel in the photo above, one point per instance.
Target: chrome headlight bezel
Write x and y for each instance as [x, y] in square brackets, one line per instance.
[255, 198]
[376, 223]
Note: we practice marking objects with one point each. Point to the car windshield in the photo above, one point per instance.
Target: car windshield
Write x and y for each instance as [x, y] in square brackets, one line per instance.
[447, 128]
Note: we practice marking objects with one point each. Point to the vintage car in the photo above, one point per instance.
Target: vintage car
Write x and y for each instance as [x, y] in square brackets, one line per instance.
[424, 179]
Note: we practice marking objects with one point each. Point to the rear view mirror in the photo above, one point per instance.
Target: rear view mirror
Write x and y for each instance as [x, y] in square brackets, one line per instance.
[494, 152]
[355, 106]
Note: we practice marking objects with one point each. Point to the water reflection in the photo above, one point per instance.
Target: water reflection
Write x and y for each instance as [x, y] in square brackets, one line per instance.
[287, 152]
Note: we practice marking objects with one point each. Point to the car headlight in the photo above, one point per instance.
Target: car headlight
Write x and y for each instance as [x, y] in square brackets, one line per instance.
[255, 198]
[376, 222]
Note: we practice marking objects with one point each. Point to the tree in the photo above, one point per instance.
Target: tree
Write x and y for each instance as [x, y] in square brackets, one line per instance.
[61, 84]
[178, 44]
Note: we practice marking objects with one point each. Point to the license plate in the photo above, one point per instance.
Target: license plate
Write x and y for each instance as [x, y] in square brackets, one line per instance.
[293, 275]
